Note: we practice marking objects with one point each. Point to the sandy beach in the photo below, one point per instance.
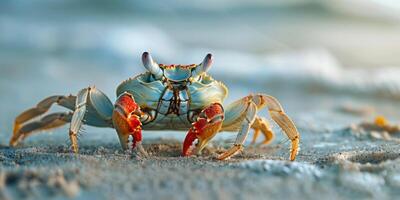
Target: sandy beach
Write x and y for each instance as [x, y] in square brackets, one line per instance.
[333, 165]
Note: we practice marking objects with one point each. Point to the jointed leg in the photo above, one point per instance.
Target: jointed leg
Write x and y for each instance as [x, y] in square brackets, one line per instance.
[244, 110]
[47, 122]
[262, 125]
[208, 124]
[77, 118]
[92, 108]
[255, 136]
[279, 116]
[41, 108]
[235, 114]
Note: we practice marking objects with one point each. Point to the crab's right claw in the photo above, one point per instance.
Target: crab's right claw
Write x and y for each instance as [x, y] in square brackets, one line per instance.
[201, 131]
[126, 120]
[204, 129]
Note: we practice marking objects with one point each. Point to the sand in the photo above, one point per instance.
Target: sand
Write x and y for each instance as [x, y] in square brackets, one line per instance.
[328, 167]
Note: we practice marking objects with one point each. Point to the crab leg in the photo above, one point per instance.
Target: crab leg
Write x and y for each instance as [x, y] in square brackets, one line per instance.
[240, 116]
[89, 107]
[279, 116]
[126, 120]
[262, 125]
[42, 107]
[47, 122]
[208, 124]
[77, 118]
[93, 107]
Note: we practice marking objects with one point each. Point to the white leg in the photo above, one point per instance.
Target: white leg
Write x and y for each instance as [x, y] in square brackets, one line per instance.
[240, 115]
[41, 108]
[279, 116]
[93, 106]
[89, 107]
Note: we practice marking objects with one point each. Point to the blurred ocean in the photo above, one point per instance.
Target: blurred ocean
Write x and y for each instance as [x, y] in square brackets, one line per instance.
[312, 55]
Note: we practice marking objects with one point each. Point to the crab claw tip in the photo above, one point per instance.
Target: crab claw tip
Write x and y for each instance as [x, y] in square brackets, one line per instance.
[190, 138]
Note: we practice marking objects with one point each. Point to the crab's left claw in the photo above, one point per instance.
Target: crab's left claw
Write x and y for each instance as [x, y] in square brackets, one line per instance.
[204, 129]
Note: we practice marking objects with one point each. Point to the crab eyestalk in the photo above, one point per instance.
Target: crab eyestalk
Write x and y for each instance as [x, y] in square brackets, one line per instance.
[204, 66]
[152, 66]
[204, 129]
[126, 120]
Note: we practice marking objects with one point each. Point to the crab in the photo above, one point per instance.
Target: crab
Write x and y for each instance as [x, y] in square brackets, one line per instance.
[165, 97]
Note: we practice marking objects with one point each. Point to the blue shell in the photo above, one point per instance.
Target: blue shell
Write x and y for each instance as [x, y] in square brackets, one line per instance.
[177, 73]
[147, 91]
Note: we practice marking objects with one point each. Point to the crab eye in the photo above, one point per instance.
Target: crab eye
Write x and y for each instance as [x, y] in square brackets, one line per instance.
[204, 66]
[152, 66]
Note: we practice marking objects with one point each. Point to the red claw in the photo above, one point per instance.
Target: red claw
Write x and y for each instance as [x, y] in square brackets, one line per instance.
[126, 120]
[204, 129]
[189, 139]
[127, 103]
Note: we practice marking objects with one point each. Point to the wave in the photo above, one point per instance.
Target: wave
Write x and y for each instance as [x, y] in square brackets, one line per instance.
[310, 68]
[314, 68]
